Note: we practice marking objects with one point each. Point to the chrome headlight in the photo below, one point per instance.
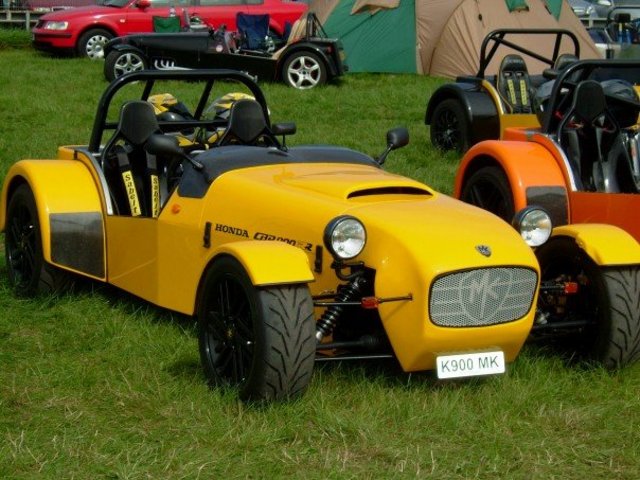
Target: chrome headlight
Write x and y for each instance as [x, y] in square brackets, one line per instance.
[345, 237]
[534, 225]
[56, 25]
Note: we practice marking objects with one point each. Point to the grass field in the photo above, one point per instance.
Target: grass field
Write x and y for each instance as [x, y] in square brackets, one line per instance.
[99, 385]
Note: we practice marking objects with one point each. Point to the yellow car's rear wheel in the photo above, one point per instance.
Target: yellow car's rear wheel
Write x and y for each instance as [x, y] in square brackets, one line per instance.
[29, 273]
[260, 340]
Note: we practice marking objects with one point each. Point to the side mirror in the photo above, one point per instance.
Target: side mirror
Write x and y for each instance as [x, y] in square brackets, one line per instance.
[288, 128]
[143, 4]
[396, 138]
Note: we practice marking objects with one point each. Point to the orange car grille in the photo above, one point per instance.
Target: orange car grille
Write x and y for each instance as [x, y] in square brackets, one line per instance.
[486, 296]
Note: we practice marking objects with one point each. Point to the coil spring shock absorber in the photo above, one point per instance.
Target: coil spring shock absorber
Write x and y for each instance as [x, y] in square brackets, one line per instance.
[346, 293]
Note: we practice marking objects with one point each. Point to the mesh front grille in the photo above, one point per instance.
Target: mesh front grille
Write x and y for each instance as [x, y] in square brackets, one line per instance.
[485, 296]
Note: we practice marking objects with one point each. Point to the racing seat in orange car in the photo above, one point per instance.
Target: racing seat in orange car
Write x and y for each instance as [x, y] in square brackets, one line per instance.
[594, 143]
[247, 125]
[514, 85]
[131, 172]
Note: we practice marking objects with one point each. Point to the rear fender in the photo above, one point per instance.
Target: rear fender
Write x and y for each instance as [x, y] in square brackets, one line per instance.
[69, 212]
[533, 174]
[606, 245]
[118, 47]
[268, 262]
[480, 108]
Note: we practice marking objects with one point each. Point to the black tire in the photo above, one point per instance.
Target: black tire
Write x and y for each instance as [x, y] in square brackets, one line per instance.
[91, 43]
[260, 340]
[304, 70]
[29, 274]
[120, 62]
[450, 129]
[607, 297]
[489, 189]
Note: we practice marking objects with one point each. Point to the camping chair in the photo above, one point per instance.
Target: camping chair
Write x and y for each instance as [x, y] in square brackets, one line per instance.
[594, 144]
[166, 24]
[514, 85]
[132, 173]
[253, 29]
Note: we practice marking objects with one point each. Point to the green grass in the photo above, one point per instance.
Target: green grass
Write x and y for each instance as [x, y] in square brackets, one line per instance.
[99, 385]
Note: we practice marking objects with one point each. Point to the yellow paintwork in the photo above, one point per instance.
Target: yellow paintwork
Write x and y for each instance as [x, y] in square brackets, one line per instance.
[605, 244]
[60, 186]
[271, 218]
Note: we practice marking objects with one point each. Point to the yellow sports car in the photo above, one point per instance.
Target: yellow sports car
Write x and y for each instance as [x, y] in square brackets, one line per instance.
[284, 255]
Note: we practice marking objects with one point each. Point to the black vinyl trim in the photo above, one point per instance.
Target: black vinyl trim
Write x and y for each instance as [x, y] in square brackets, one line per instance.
[553, 200]
[77, 242]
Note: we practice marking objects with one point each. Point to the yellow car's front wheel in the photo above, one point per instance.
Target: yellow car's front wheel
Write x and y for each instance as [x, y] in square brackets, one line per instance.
[260, 340]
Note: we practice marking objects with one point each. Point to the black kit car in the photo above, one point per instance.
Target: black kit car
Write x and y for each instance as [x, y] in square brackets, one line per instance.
[308, 59]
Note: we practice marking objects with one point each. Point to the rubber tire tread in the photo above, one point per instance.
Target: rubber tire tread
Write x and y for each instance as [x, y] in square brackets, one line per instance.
[283, 334]
[615, 340]
[623, 340]
[288, 325]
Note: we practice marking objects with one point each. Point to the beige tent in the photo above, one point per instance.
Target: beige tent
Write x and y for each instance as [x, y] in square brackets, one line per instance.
[440, 37]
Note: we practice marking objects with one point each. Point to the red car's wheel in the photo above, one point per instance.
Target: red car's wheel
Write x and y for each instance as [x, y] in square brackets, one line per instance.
[261, 340]
[91, 43]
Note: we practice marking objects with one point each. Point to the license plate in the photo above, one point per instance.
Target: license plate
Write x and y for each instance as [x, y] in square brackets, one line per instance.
[470, 364]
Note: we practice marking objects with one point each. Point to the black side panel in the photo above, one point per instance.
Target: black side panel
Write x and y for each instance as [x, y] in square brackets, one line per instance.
[484, 117]
[553, 200]
[77, 241]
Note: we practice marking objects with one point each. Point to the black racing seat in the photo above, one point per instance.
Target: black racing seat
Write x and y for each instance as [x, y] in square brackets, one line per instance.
[563, 61]
[247, 125]
[594, 143]
[514, 85]
[132, 173]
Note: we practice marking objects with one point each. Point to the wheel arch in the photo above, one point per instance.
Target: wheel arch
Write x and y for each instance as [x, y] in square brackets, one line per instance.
[481, 112]
[69, 212]
[97, 26]
[533, 174]
[266, 263]
[605, 245]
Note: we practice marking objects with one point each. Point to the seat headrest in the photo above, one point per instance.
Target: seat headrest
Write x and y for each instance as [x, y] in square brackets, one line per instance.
[564, 60]
[246, 121]
[137, 122]
[513, 63]
[589, 101]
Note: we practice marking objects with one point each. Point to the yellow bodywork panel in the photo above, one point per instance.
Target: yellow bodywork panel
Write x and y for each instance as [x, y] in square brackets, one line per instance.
[606, 245]
[69, 212]
[269, 262]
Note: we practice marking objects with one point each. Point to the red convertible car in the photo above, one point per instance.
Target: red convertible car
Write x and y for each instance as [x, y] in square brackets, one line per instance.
[85, 30]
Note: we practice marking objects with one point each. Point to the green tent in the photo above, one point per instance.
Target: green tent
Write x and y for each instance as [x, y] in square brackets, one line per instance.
[387, 36]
